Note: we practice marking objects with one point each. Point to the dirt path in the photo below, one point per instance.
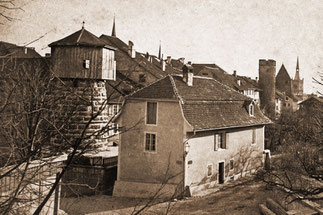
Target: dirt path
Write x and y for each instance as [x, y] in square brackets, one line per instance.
[240, 199]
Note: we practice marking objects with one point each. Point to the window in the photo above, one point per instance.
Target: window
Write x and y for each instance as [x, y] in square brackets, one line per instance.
[254, 136]
[151, 113]
[86, 64]
[231, 164]
[150, 143]
[113, 129]
[220, 141]
[251, 109]
[209, 170]
[113, 110]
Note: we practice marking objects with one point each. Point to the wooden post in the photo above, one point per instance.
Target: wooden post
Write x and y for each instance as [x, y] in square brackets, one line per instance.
[56, 200]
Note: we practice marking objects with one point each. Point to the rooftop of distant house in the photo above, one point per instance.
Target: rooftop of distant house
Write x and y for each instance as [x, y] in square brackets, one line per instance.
[11, 50]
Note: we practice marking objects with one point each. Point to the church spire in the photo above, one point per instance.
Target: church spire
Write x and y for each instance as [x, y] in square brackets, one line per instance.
[159, 52]
[297, 70]
[114, 28]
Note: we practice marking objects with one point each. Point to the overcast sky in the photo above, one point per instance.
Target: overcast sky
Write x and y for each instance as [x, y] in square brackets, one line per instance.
[232, 34]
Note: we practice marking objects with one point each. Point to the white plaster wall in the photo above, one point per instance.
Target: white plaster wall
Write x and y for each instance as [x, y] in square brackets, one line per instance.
[239, 148]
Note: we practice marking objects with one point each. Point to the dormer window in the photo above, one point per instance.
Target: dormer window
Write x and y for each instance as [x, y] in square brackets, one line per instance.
[86, 64]
[251, 109]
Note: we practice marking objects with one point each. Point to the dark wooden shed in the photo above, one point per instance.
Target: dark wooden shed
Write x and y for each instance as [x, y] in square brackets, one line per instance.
[83, 55]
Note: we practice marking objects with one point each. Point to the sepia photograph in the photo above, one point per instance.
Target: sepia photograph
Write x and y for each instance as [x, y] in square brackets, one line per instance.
[177, 107]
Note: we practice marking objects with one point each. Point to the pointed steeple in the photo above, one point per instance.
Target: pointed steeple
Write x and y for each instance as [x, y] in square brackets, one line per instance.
[114, 27]
[159, 52]
[297, 70]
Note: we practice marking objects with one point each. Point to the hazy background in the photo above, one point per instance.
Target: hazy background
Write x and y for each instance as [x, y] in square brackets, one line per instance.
[232, 34]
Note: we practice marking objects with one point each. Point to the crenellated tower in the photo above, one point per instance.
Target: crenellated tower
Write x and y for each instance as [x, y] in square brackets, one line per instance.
[267, 72]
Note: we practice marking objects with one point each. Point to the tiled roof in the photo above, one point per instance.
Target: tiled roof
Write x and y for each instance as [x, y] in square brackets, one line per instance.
[139, 59]
[161, 89]
[221, 114]
[206, 89]
[81, 37]
[12, 50]
[208, 104]
[225, 78]
[199, 66]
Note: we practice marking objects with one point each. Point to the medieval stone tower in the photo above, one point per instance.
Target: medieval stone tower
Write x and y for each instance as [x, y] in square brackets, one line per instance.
[82, 64]
[267, 72]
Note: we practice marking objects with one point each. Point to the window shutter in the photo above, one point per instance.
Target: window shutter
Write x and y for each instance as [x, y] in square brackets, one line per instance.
[225, 140]
[151, 113]
[254, 136]
[216, 142]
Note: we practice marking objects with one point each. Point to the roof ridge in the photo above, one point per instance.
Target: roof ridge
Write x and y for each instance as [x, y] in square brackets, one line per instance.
[81, 33]
[175, 89]
[181, 100]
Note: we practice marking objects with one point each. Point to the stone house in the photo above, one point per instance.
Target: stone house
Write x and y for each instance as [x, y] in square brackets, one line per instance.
[189, 132]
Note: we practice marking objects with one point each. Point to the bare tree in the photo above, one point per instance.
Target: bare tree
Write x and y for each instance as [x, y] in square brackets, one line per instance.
[298, 169]
[37, 114]
[6, 6]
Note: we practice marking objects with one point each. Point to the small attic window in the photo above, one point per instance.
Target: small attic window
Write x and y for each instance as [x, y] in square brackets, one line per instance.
[86, 64]
[251, 109]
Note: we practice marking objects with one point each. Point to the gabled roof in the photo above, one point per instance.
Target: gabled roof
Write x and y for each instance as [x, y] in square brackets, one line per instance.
[282, 73]
[206, 105]
[14, 51]
[81, 37]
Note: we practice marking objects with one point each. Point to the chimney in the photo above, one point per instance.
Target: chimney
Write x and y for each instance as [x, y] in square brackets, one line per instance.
[188, 74]
[257, 79]
[147, 55]
[234, 73]
[163, 65]
[169, 59]
[182, 60]
[131, 49]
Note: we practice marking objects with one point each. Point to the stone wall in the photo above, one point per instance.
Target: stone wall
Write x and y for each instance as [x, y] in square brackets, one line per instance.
[267, 72]
[80, 102]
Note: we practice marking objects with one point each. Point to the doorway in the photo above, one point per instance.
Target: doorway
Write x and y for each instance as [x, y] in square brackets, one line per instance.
[221, 172]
